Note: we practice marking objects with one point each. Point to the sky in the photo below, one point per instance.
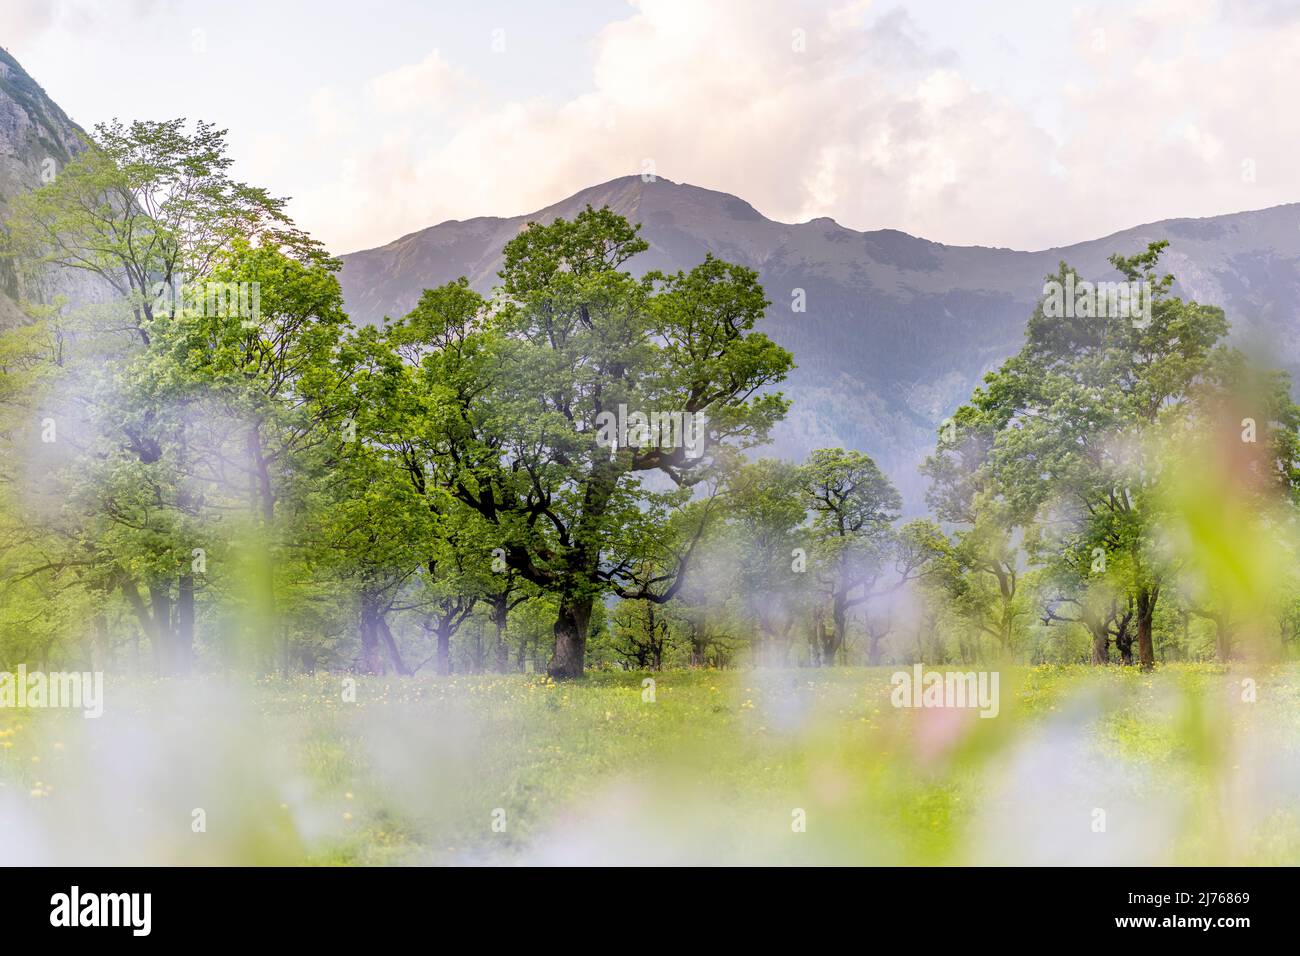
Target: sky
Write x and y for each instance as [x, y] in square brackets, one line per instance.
[1018, 124]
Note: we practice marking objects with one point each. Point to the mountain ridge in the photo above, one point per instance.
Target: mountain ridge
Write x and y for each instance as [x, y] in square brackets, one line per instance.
[898, 329]
[629, 178]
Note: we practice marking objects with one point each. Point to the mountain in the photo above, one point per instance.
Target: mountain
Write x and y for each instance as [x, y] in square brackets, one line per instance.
[36, 140]
[897, 330]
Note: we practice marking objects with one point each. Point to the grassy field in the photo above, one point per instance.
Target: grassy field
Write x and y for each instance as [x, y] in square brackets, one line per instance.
[1081, 765]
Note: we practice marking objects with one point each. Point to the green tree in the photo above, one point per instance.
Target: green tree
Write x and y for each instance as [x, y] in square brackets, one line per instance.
[147, 207]
[518, 405]
[854, 508]
[763, 552]
[1082, 417]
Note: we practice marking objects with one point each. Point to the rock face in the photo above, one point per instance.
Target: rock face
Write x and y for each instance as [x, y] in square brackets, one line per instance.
[36, 140]
[897, 330]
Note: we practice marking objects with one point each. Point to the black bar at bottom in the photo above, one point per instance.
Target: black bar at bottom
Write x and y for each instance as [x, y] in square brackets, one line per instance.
[332, 906]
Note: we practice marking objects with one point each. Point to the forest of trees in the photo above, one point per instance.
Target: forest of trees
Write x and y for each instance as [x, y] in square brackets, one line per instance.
[210, 468]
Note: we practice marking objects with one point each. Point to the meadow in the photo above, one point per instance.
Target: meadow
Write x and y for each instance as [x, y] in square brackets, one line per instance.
[1102, 766]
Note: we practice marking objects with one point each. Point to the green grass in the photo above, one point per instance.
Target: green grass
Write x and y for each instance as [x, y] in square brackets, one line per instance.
[715, 769]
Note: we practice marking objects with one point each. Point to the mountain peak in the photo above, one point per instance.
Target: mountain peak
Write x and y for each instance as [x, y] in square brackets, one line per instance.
[895, 330]
[36, 140]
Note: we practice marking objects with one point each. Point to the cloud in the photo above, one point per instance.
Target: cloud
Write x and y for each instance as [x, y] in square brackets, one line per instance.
[22, 21]
[1177, 124]
[329, 115]
[431, 84]
[806, 111]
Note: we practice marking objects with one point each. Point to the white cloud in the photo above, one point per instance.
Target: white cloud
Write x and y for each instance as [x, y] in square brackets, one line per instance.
[22, 21]
[431, 84]
[870, 125]
[329, 114]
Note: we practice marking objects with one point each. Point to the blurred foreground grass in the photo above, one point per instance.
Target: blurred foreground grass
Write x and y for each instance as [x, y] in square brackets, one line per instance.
[1091, 766]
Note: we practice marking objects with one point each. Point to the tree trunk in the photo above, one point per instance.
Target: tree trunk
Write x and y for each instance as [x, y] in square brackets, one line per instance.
[503, 655]
[386, 636]
[371, 660]
[1146, 611]
[476, 656]
[500, 618]
[1222, 637]
[571, 625]
[264, 496]
[184, 656]
[654, 653]
[875, 639]
[1100, 641]
[1124, 635]
[1007, 622]
[697, 644]
[836, 638]
[160, 603]
[443, 632]
[781, 645]
[101, 651]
